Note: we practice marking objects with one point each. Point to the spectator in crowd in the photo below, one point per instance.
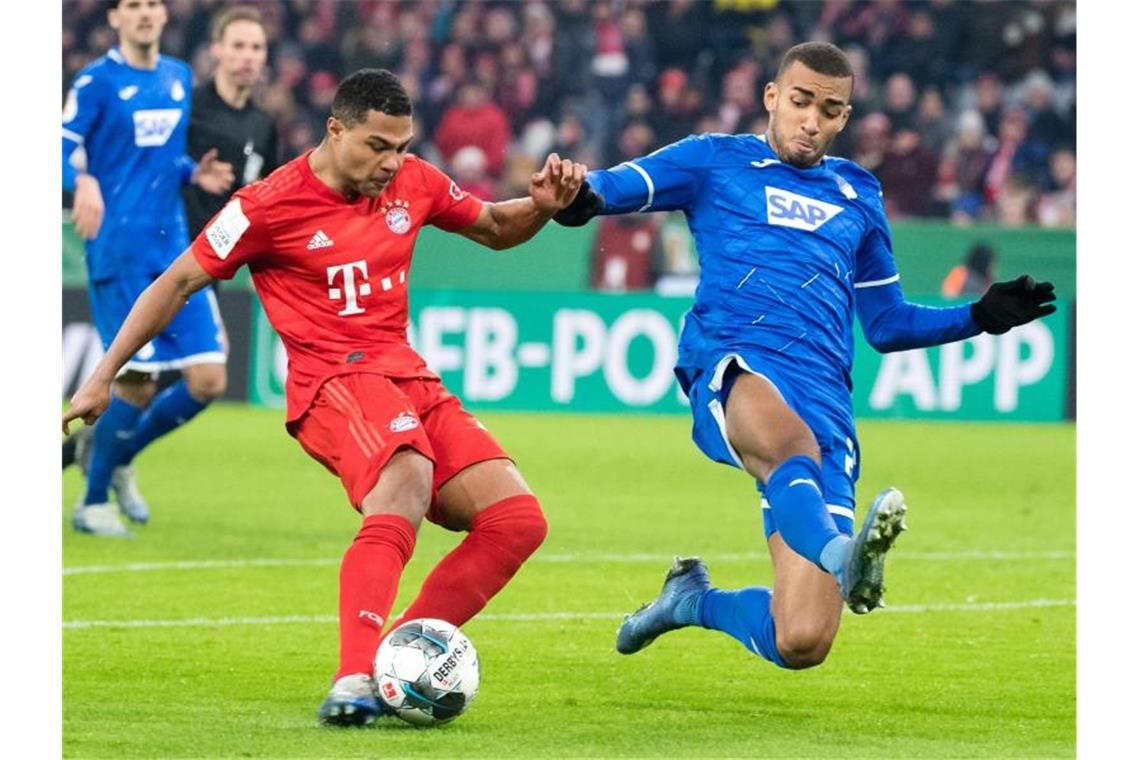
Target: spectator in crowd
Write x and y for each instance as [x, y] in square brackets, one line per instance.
[962, 172]
[679, 29]
[988, 100]
[475, 120]
[1017, 154]
[872, 140]
[739, 104]
[931, 121]
[673, 116]
[1045, 125]
[469, 170]
[899, 101]
[973, 276]
[908, 173]
[1013, 205]
[1058, 206]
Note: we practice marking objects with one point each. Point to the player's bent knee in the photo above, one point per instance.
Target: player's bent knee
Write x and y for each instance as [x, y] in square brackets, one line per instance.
[207, 383]
[804, 647]
[516, 524]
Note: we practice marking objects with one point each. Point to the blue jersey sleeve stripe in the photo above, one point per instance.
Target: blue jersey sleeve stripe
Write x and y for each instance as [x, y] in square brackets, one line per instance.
[73, 136]
[648, 182]
[877, 283]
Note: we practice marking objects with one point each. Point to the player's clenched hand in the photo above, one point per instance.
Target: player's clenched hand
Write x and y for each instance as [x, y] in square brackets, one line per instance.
[554, 188]
[87, 211]
[212, 175]
[1006, 305]
[90, 401]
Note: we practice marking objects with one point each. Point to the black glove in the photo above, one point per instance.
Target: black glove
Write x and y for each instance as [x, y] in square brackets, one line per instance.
[586, 205]
[1006, 305]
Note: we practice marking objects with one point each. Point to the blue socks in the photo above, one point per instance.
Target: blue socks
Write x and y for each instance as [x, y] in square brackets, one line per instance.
[745, 615]
[795, 496]
[124, 430]
[169, 409]
[110, 440]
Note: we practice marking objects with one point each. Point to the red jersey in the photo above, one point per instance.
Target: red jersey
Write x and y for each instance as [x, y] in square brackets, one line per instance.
[333, 275]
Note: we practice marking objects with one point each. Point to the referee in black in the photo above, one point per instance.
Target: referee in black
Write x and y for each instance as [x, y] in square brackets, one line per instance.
[223, 115]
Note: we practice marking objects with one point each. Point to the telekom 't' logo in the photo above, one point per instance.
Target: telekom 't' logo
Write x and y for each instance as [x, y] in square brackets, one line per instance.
[350, 291]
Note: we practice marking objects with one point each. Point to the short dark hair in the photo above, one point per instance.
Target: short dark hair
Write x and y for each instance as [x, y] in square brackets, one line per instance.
[113, 4]
[370, 90]
[228, 15]
[821, 57]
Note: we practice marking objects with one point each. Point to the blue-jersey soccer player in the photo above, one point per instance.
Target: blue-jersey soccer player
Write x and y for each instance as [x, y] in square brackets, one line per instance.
[129, 111]
[792, 243]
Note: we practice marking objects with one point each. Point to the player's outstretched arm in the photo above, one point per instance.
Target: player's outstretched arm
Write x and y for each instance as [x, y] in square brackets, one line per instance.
[508, 223]
[153, 310]
[891, 323]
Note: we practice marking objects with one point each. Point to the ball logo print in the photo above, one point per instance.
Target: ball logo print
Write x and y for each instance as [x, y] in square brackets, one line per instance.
[427, 671]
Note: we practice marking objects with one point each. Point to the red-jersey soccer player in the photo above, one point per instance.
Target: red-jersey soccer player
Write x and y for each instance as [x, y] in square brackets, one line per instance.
[328, 240]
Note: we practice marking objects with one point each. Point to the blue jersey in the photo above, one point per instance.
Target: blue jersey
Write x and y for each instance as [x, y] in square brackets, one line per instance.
[783, 253]
[132, 125]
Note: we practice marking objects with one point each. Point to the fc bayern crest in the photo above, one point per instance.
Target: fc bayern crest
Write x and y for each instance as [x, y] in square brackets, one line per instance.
[397, 216]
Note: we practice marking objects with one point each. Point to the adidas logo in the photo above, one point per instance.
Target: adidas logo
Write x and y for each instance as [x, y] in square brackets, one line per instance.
[320, 240]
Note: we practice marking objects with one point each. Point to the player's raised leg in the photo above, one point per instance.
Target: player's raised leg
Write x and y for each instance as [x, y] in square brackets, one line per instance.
[478, 490]
[504, 524]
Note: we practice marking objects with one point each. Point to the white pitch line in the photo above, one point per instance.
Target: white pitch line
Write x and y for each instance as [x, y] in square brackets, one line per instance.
[532, 616]
[224, 564]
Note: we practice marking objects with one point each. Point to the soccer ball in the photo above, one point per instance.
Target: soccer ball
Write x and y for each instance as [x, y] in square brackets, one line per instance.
[427, 671]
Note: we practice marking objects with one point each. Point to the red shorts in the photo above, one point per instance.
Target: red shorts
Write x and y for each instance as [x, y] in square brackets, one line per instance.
[358, 421]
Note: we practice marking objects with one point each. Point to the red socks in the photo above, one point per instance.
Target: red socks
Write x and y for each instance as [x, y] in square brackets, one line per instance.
[369, 576]
[502, 536]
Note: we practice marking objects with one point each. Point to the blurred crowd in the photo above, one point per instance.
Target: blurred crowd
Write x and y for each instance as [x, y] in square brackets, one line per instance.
[964, 110]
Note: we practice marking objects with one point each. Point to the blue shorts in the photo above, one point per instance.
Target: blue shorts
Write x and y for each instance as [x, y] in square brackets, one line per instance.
[194, 336]
[828, 416]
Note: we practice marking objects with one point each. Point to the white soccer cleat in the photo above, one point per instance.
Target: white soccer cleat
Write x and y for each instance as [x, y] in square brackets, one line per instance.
[99, 520]
[126, 489]
[862, 581]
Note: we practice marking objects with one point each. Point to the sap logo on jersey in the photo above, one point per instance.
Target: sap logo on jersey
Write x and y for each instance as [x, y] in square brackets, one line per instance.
[154, 126]
[788, 209]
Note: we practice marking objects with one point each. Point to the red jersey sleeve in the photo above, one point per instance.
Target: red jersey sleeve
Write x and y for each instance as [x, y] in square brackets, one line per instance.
[236, 235]
[451, 208]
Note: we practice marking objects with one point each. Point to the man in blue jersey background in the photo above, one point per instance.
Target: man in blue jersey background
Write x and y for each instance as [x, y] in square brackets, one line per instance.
[792, 244]
[129, 110]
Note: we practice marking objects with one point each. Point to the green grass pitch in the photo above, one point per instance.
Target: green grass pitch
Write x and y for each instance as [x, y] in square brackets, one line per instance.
[211, 633]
